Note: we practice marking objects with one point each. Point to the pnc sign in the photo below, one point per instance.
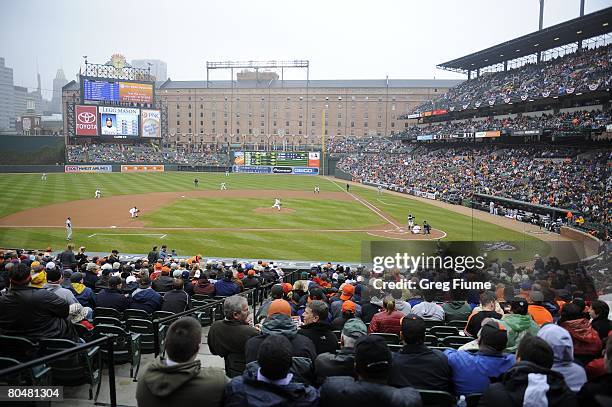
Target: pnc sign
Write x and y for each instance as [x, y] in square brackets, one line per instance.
[86, 121]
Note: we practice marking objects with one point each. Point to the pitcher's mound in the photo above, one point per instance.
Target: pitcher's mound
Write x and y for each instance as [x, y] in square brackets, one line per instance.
[273, 210]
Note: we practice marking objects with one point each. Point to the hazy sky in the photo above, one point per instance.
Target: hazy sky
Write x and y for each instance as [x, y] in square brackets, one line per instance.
[342, 39]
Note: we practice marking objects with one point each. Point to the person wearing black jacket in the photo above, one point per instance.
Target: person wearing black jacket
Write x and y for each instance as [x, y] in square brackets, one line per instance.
[33, 313]
[373, 363]
[531, 375]
[153, 255]
[599, 313]
[415, 364]
[113, 297]
[164, 282]
[251, 281]
[317, 329]
[67, 258]
[176, 300]
[81, 257]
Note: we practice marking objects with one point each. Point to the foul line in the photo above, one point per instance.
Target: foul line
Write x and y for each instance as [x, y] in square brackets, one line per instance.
[128, 234]
[368, 205]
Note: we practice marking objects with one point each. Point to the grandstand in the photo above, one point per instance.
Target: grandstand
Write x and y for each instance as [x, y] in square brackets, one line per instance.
[307, 303]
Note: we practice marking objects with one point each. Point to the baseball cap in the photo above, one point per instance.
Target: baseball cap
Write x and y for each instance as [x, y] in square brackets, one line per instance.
[76, 277]
[526, 285]
[276, 291]
[287, 287]
[177, 274]
[493, 333]
[347, 292]
[354, 328]
[349, 305]
[412, 326]
[279, 307]
[107, 266]
[372, 354]
[536, 296]
[50, 265]
[251, 272]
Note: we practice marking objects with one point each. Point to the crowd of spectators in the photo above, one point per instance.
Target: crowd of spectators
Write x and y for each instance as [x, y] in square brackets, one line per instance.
[579, 72]
[567, 121]
[576, 182]
[333, 336]
[338, 145]
[141, 153]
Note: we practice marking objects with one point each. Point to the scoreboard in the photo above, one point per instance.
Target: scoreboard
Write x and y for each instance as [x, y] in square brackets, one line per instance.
[277, 158]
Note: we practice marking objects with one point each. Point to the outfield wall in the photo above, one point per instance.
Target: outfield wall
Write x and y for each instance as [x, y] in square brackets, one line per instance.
[32, 150]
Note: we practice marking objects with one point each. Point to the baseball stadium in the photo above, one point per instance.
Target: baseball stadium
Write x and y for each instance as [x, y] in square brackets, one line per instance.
[264, 241]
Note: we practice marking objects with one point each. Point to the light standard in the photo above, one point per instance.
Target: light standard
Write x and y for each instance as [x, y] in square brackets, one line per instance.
[323, 114]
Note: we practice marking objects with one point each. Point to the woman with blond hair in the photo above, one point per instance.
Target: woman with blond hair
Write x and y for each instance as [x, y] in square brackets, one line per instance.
[387, 320]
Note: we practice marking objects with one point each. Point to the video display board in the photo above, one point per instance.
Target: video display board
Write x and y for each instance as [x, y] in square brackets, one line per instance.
[277, 158]
[119, 121]
[109, 91]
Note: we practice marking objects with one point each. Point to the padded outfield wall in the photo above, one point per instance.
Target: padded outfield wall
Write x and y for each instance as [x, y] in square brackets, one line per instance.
[32, 150]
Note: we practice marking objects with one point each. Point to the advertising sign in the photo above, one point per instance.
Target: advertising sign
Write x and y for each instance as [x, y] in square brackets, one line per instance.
[88, 168]
[131, 92]
[252, 169]
[277, 158]
[119, 121]
[150, 123]
[487, 134]
[86, 121]
[142, 168]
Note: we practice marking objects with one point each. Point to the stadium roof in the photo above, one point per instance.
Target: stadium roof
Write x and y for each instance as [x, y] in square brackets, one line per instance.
[334, 83]
[581, 28]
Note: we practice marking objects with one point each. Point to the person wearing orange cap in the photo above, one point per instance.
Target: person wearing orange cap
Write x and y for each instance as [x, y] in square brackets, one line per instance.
[251, 280]
[164, 282]
[348, 290]
[279, 322]
[348, 312]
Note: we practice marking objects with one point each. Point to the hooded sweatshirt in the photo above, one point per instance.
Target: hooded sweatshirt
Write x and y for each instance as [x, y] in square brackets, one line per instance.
[457, 311]
[563, 349]
[84, 295]
[182, 384]
[429, 311]
[281, 324]
[585, 338]
[403, 307]
[517, 326]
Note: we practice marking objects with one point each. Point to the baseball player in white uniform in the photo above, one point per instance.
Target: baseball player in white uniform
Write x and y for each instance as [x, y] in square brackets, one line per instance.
[317, 190]
[134, 212]
[277, 204]
[68, 229]
[98, 194]
[227, 173]
[44, 176]
[379, 190]
[223, 186]
[410, 221]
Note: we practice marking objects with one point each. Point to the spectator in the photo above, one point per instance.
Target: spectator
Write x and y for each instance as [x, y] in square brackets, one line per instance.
[153, 255]
[518, 323]
[372, 304]
[487, 310]
[597, 392]
[341, 363]
[600, 321]
[539, 313]
[54, 284]
[67, 259]
[416, 365]
[387, 321]
[100, 282]
[113, 297]
[179, 380]
[176, 300]
[531, 377]
[203, 286]
[164, 282]
[269, 382]
[317, 328]
[348, 290]
[227, 338]
[34, 313]
[427, 309]
[77, 314]
[279, 322]
[227, 287]
[472, 371]
[276, 293]
[373, 363]
[456, 310]
[400, 305]
[561, 344]
[587, 345]
[348, 312]
[145, 298]
[84, 295]
[251, 280]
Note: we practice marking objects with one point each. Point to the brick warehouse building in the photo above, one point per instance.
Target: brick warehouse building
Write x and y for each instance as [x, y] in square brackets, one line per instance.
[270, 113]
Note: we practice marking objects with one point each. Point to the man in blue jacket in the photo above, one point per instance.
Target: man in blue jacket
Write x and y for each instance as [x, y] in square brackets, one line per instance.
[472, 371]
[113, 297]
[227, 287]
[146, 298]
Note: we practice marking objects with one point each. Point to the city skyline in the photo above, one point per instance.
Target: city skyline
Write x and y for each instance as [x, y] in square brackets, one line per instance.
[187, 34]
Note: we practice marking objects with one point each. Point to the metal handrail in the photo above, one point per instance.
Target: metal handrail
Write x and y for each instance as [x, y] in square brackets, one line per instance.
[108, 341]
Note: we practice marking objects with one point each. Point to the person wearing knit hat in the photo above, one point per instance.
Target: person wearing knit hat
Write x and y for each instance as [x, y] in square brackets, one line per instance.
[347, 294]
[472, 371]
[279, 322]
[275, 293]
[348, 312]
[373, 363]
[164, 282]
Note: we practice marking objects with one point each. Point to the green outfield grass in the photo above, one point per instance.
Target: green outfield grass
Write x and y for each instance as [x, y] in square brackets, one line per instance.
[22, 191]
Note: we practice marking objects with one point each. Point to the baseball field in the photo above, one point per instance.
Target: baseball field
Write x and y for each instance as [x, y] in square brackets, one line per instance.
[237, 222]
